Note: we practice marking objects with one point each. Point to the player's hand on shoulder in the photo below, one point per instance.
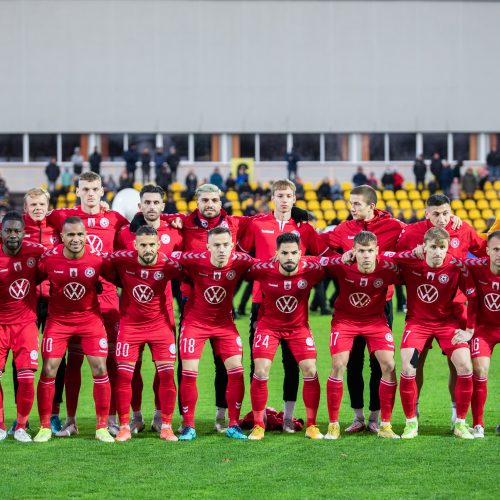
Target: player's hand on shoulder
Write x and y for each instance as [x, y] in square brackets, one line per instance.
[176, 223]
[104, 206]
[419, 251]
[456, 222]
[348, 257]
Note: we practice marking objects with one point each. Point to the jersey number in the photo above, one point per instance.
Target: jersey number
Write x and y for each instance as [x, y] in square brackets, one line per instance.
[259, 340]
[474, 345]
[122, 349]
[333, 338]
[47, 344]
[188, 345]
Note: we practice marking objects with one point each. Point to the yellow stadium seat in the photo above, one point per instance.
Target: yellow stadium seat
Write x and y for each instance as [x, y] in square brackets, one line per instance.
[182, 206]
[491, 194]
[496, 185]
[346, 186]
[318, 214]
[487, 185]
[497, 214]
[409, 186]
[271, 205]
[109, 196]
[401, 194]
[487, 214]
[393, 204]
[177, 196]
[266, 186]
[407, 213]
[405, 204]
[237, 212]
[61, 199]
[388, 195]
[418, 204]
[137, 186]
[469, 204]
[308, 186]
[347, 194]
[381, 204]
[253, 185]
[474, 214]
[456, 204]
[425, 194]
[482, 204]
[301, 204]
[329, 214]
[479, 225]
[176, 186]
[236, 205]
[321, 224]
[339, 204]
[420, 213]
[61, 205]
[310, 195]
[343, 214]
[71, 197]
[461, 213]
[414, 195]
[72, 188]
[249, 201]
[313, 205]
[468, 222]
[495, 204]
[478, 194]
[192, 205]
[326, 204]
[231, 195]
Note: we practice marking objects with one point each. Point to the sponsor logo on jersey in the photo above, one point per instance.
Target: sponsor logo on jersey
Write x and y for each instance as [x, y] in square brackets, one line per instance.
[143, 293]
[103, 343]
[389, 254]
[214, 294]
[302, 284]
[144, 274]
[73, 272]
[389, 337]
[31, 262]
[95, 242]
[287, 285]
[492, 302]
[19, 289]
[363, 282]
[89, 272]
[378, 283]
[310, 341]
[217, 275]
[238, 341]
[427, 293]
[104, 222]
[172, 349]
[443, 278]
[268, 231]
[17, 266]
[74, 291]
[158, 275]
[34, 354]
[287, 304]
[350, 237]
[165, 239]
[231, 275]
[454, 242]
[359, 299]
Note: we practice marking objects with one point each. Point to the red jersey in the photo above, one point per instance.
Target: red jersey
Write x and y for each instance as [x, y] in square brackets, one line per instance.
[285, 298]
[170, 238]
[362, 296]
[18, 276]
[430, 290]
[40, 232]
[211, 301]
[487, 284]
[260, 238]
[73, 296]
[143, 302]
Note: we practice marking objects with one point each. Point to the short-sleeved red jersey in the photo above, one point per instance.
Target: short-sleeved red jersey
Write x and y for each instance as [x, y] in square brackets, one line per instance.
[18, 277]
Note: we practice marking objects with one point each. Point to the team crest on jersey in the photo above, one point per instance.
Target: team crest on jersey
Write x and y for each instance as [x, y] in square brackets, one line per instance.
[91, 222]
[103, 343]
[31, 262]
[224, 224]
[73, 272]
[443, 278]
[89, 272]
[144, 274]
[165, 239]
[378, 283]
[231, 275]
[204, 223]
[302, 284]
[454, 242]
[363, 282]
[324, 261]
[238, 341]
[158, 275]
[104, 222]
[17, 266]
[389, 337]
[431, 276]
[217, 275]
[287, 285]
[495, 285]
[172, 349]
[310, 341]
[34, 355]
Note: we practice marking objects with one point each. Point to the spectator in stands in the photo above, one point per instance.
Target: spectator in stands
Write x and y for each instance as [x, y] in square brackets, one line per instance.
[372, 181]
[250, 210]
[3, 210]
[388, 178]
[359, 178]
[66, 180]
[230, 181]
[77, 161]
[299, 188]
[436, 167]
[398, 180]
[432, 186]
[173, 160]
[493, 164]
[420, 171]
[159, 160]
[483, 177]
[216, 179]
[469, 183]
[52, 171]
[95, 161]
[4, 193]
[191, 183]
[242, 175]
[457, 170]
[244, 190]
[446, 178]
[131, 158]
[110, 185]
[164, 178]
[146, 165]
[292, 159]
[324, 189]
[125, 181]
[170, 205]
[455, 189]
[336, 190]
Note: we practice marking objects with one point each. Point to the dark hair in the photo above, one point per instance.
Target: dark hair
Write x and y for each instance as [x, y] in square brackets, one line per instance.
[219, 230]
[494, 234]
[287, 238]
[146, 230]
[149, 188]
[72, 220]
[13, 215]
[436, 200]
[367, 192]
[365, 238]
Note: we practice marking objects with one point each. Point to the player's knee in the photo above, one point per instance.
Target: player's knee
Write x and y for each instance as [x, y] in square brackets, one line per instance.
[387, 366]
[480, 370]
[261, 370]
[463, 367]
[308, 370]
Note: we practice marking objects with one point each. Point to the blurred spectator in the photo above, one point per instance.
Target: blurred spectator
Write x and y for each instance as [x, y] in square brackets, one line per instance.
[131, 158]
[457, 169]
[242, 175]
[292, 159]
[95, 160]
[230, 182]
[398, 180]
[110, 185]
[436, 167]
[170, 205]
[77, 161]
[420, 171]
[359, 178]
[372, 181]
[244, 190]
[191, 183]
[173, 160]
[3, 210]
[432, 186]
[483, 177]
[324, 189]
[446, 178]
[493, 163]
[52, 171]
[336, 190]
[125, 181]
[469, 183]
[146, 165]
[455, 189]
[164, 178]
[159, 160]
[216, 178]
[250, 210]
[299, 188]
[4, 192]
[66, 180]
[388, 178]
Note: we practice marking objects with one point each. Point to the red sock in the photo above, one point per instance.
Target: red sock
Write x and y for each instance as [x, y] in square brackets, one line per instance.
[137, 387]
[189, 396]
[168, 392]
[2, 416]
[102, 395]
[235, 392]
[73, 381]
[387, 395]
[334, 391]
[25, 396]
[463, 394]
[258, 396]
[156, 390]
[311, 393]
[123, 392]
[479, 394]
[112, 375]
[45, 395]
[408, 392]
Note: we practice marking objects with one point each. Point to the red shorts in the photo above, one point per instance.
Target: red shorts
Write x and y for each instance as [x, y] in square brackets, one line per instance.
[300, 343]
[90, 338]
[110, 313]
[377, 334]
[130, 343]
[417, 335]
[23, 340]
[226, 341]
[486, 337]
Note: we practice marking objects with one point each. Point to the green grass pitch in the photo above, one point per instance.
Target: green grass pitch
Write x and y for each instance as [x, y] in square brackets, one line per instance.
[435, 465]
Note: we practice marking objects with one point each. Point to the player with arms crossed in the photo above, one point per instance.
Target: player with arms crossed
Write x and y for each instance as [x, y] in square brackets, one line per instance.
[18, 329]
[144, 274]
[359, 310]
[73, 270]
[285, 285]
[431, 286]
